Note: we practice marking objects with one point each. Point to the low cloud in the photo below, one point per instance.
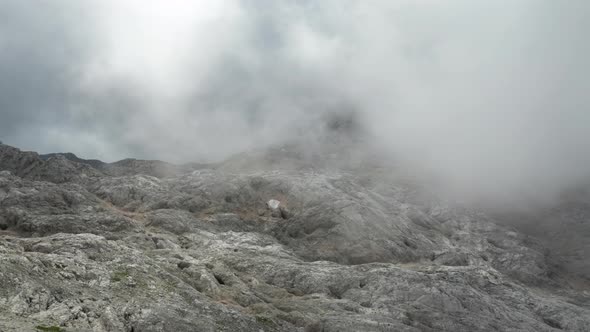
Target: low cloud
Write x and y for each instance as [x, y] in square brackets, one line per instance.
[490, 97]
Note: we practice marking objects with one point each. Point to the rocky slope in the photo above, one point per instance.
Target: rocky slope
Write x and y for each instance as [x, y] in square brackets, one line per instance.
[358, 248]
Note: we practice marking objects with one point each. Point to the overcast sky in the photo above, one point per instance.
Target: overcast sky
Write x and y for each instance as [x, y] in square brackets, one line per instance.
[474, 90]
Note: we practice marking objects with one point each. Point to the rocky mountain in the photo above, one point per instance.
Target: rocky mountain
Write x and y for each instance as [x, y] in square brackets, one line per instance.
[72, 157]
[128, 166]
[150, 246]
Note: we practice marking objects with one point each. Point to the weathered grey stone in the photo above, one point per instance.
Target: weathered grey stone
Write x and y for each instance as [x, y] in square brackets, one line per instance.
[349, 250]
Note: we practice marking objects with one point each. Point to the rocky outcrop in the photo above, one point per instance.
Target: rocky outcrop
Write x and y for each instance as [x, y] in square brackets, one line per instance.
[352, 249]
[30, 165]
[72, 157]
[129, 166]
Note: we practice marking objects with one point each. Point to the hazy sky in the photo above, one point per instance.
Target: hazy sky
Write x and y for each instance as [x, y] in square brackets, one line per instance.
[489, 94]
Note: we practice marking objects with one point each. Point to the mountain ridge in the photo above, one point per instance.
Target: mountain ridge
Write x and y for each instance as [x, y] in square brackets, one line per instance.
[357, 248]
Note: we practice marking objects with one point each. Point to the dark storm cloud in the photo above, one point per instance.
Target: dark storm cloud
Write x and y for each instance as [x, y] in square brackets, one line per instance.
[45, 47]
[39, 51]
[489, 96]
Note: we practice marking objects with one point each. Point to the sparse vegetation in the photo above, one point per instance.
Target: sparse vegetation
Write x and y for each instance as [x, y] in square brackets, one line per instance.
[50, 328]
[119, 275]
[264, 320]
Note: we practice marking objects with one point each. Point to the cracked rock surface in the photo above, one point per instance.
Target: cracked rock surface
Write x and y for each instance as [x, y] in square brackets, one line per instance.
[130, 247]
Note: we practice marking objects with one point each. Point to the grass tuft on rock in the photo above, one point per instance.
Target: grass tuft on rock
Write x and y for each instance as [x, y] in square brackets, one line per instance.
[49, 328]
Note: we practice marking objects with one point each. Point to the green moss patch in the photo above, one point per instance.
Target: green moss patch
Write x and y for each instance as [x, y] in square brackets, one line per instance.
[49, 328]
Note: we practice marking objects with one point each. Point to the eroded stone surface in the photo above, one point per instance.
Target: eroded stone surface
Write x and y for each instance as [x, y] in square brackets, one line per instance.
[85, 250]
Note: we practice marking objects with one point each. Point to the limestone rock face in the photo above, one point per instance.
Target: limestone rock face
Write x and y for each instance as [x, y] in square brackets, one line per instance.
[31, 166]
[273, 204]
[269, 249]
